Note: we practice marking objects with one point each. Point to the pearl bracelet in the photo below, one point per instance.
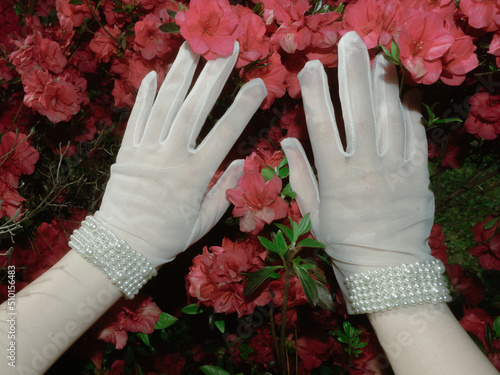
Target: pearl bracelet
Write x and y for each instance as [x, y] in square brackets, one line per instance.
[394, 287]
[125, 267]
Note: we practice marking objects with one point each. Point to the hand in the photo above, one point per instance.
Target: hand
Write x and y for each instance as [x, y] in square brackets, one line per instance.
[373, 207]
[157, 198]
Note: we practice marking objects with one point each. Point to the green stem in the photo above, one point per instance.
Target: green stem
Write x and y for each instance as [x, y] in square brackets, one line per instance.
[275, 339]
[288, 272]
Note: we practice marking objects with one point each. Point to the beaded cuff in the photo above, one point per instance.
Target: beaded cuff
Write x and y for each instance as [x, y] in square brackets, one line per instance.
[125, 267]
[393, 287]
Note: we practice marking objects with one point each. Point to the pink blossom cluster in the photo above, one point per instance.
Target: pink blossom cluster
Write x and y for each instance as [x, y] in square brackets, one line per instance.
[484, 116]
[18, 158]
[216, 277]
[137, 315]
[488, 237]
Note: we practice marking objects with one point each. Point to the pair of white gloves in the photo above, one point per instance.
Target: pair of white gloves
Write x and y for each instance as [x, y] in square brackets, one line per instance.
[370, 205]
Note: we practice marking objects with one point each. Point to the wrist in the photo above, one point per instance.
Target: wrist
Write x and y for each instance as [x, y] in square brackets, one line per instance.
[393, 287]
[127, 269]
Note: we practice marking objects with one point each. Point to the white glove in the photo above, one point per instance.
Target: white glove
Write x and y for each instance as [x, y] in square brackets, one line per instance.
[373, 207]
[157, 199]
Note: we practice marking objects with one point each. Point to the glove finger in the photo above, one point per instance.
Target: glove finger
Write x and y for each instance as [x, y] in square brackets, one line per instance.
[140, 111]
[302, 179]
[356, 96]
[215, 203]
[416, 131]
[416, 151]
[389, 115]
[221, 138]
[200, 101]
[321, 124]
[171, 96]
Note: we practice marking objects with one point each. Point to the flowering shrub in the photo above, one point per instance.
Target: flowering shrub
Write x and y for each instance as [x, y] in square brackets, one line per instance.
[260, 295]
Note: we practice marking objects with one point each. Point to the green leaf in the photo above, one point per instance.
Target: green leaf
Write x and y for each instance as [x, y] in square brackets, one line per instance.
[257, 9]
[165, 320]
[170, 27]
[283, 172]
[283, 162]
[490, 224]
[288, 231]
[213, 370]
[395, 51]
[18, 10]
[310, 242]
[221, 325]
[269, 245]
[304, 225]
[268, 173]
[255, 279]
[325, 300]
[446, 120]
[308, 284]
[192, 309]
[496, 327]
[76, 2]
[281, 243]
[288, 192]
[171, 13]
[343, 338]
[144, 338]
[362, 344]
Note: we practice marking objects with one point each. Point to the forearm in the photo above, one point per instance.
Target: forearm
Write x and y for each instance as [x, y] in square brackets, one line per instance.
[53, 312]
[427, 339]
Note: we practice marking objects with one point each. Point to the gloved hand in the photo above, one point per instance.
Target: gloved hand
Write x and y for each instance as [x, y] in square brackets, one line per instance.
[157, 199]
[372, 208]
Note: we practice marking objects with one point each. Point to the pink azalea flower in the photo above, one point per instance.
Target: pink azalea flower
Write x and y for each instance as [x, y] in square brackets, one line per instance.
[58, 98]
[445, 8]
[292, 34]
[137, 315]
[468, 285]
[459, 59]
[18, 157]
[210, 27]
[482, 14]
[313, 351]
[261, 158]
[254, 45]
[102, 45]
[495, 47]
[475, 321]
[257, 202]
[423, 40]
[262, 345]
[72, 14]
[375, 21]
[216, 276]
[285, 11]
[437, 245]
[488, 254]
[37, 52]
[273, 75]
[484, 116]
[292, 37]
[325, 29]
[149, 39]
